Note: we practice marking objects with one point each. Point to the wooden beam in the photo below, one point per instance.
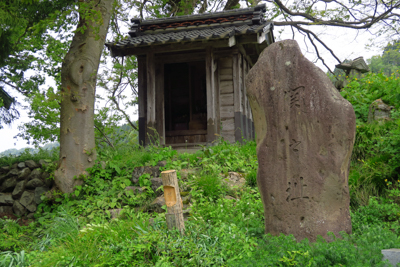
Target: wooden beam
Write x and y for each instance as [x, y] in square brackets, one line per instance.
[260, 37]
[224, 52]
[162, 48]
[185, 132]
[232, 41]
[247, 39]
[179, 58]
[243, 51]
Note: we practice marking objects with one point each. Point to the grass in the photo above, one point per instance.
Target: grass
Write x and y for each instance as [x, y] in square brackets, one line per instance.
[77, 231]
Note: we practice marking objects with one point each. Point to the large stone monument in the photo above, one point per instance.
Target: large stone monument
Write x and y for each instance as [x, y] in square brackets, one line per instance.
[305, 134]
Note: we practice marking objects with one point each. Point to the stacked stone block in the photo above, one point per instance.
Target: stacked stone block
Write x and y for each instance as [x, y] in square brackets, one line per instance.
[21, 187]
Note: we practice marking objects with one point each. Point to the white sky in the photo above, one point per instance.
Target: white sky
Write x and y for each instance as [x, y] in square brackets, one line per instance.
[347, 44]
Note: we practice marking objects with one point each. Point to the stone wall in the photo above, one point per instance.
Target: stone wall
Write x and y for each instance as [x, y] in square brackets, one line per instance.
[22, 186]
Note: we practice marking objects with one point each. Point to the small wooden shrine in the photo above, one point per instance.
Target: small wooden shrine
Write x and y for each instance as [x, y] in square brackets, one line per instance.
[191, 72]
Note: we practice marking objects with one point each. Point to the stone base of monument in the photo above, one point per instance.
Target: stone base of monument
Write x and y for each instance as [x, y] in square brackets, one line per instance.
[393, 255]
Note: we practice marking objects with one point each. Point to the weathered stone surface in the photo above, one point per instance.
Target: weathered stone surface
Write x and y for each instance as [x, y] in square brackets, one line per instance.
[28, 201]
[234, 180]
[186, 172]
[8, 185]
[379, 111]
[392, 255]
[19, 189]
[162, 163]
[32, 184]
[114, 213]
[6, 199]
[153, 171]
[3, 177]
[156, 183]
[42, 163]
[24, 174]
[45, 175]
[13, 172]
[6, 210]
[31, 164]
[186, 199]
[46, 179]
[39, 191]
[137, 172]
[157, 204]
[135, 189]
[14, 166]
[21, 165]
[18, 209]
[103, 164]
[36, 173]
[52, 194]
[305, 133]
[4, 169]
[186, 213]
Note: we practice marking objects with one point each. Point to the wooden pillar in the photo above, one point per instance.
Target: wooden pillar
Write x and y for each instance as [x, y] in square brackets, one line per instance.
[173, 201]
[248, 108]
[237, 97]
[142, 98]
[217, 98]
[160, 108]
[245, 102]
[249, 122]
[151, 99]
[211, 96]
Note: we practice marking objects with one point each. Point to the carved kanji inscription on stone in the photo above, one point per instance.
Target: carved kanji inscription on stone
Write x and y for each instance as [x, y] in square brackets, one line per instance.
[294, 145]
[296, 189]
[295, 96]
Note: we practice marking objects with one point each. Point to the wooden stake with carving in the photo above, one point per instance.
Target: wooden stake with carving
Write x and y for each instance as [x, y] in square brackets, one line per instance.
[173, 201]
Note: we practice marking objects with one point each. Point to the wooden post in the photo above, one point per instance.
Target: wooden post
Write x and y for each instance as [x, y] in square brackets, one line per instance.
[173, 201]
[142, 86]
[237, 96]
[211, 97]
[151, 98]
[160, 109]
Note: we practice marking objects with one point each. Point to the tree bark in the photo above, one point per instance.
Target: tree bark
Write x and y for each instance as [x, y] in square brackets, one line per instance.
[78, 86]
[173, 201]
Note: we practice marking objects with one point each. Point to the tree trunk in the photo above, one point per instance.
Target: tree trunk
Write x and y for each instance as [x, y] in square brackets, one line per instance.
[78, 87]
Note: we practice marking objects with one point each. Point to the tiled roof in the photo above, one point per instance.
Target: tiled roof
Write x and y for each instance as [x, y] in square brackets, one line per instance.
[211, 26]
[197, 22]
[193, 35]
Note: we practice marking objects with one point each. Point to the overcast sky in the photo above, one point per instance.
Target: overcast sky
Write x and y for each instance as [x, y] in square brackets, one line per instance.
[347, 44]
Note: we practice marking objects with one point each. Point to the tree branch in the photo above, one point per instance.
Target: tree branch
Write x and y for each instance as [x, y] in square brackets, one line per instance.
[114, 100]
[105, 136]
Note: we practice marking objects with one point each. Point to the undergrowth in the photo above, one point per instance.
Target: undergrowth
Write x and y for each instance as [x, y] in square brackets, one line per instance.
[76, 230]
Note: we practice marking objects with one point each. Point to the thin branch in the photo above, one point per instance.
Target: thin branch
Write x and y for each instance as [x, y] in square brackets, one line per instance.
[15, 87]
[107, 140]
[114, 100]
